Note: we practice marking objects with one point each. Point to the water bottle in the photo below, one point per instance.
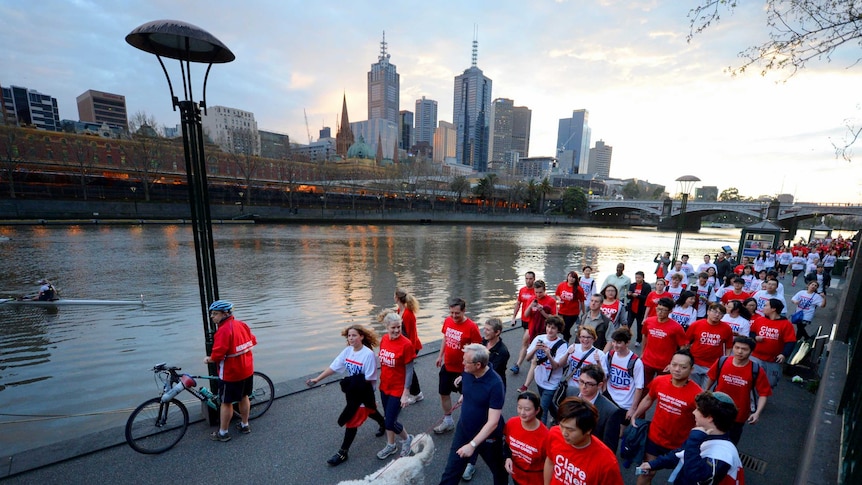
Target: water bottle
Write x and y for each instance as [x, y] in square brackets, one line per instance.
[186, 381]
[210, 397]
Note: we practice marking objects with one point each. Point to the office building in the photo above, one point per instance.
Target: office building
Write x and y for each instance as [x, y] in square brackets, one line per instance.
[377, 133]
[425, 120]
[383, 87]
[600, 160]
[573, 142]
[101, 107]
[234, 130]
[325, 132]
[444, 142]
[706, 193]
[28, 107]
[406, 135]
[510, 132]
[274, 145]
[472, 115]
[535, 167]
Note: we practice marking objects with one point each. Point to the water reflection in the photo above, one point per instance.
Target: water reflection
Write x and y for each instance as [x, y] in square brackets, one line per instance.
[296, 286]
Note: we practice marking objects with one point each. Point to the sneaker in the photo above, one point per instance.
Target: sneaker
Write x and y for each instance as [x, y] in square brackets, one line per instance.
[444, 427]
[522, 389]
[337, 458]
[469, 472]
[380, 431]
[387, 451]
[416, 398]
[216, 436]
[405, 446]
[515, 369]
[243, 429]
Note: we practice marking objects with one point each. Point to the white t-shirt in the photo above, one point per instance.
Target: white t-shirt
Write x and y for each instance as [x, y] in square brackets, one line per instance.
[546, 377]
[355, 362]
[576, 356]
[622, 386]
[683, 316]
[739, 324]
[807, 303]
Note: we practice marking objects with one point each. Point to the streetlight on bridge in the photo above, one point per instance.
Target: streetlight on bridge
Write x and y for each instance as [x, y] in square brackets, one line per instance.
[188, 43]
[686, 184]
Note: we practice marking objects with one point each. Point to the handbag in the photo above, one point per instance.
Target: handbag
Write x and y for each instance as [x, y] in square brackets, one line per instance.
[796, 318]
[563, 386]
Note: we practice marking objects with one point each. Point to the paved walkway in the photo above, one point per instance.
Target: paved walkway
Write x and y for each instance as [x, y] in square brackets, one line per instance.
[291, 443]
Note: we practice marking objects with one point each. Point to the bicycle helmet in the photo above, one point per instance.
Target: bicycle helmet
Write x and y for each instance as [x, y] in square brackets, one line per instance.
[221, 306]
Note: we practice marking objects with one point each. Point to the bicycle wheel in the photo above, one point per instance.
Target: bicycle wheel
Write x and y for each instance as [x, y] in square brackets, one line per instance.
[155, 427]
[262, 394]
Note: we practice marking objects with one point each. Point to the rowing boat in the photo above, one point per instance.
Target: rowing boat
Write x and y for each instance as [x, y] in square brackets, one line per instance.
[64, 302]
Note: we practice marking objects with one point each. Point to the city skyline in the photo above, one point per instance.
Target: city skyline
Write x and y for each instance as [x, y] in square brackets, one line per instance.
[665, 105]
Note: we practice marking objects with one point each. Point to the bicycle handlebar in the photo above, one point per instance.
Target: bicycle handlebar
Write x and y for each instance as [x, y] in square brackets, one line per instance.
[164, 366]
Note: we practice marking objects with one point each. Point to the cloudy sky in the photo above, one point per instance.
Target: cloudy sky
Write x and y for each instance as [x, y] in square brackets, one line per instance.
[666, 106]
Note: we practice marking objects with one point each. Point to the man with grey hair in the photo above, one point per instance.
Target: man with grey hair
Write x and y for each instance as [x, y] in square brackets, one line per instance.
[480, 428]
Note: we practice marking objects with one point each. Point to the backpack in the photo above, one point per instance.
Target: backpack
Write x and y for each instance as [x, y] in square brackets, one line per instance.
[755, 370]
[630, 367]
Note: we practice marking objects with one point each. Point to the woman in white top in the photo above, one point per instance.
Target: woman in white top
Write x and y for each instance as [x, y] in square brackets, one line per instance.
[684, 312]
[797, 265]
[579, 355]
[760, 261]
[738, 317]
[808, 300]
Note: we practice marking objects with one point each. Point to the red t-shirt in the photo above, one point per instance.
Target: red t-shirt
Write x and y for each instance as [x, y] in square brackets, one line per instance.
[408, 328]
[736, 383]
[729, 296]
[570, 298]
[653, 298]
[525, 296]
[232, 344]
[593, 464]
[394, 355]
[455, 337]
[775, 334]
[673, 418]
[709, 342]
[528, 451]
[611, 310]
[663, 339]
[636, 302]
[536, 319]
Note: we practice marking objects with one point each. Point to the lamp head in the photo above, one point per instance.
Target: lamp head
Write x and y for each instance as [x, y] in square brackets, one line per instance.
[179, 40]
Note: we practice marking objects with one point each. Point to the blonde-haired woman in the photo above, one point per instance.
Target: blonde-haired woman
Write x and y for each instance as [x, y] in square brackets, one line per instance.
[396, 370]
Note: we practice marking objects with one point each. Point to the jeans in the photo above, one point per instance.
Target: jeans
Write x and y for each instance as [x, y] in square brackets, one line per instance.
[546, 397]
[391, 408]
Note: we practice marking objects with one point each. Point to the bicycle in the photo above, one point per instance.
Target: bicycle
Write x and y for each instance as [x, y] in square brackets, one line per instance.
[159, 423]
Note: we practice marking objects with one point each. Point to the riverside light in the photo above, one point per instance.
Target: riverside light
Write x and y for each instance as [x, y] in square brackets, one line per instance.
[686, 184]
[189, 43]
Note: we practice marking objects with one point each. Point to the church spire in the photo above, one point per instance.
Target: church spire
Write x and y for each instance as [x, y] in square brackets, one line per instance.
[344, 138]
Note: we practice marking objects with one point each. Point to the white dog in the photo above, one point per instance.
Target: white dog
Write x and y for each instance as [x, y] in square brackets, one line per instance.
[407, 470]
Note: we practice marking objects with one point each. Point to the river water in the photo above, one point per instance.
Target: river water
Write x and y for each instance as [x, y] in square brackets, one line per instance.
[76, 370]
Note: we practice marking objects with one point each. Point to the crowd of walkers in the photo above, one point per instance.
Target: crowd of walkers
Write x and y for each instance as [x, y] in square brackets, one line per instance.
[698, 349]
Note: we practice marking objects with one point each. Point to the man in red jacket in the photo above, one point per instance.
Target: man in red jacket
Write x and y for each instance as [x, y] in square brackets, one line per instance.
[232, 346]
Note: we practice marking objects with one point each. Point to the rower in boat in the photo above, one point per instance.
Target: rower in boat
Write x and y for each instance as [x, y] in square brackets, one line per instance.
[46, 291]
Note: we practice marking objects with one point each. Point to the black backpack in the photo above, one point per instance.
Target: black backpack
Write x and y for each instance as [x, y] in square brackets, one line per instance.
[631, 365]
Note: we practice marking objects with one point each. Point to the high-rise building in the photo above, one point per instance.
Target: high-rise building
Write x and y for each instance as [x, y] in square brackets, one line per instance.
[101, 107]
[383, 87]
[444, 141]
[325, 132]
[510, 132]
[28, 107]
[573, 142]
[406, 135]
[274, 145]
[232, 129]
[344, 136]
[426, 120]
[472, 115]
[600, 160]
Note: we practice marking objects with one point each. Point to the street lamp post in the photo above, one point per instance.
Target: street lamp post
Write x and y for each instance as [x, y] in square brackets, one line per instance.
[686, 184]
[135, 200]
[241, 204]
[188, 43]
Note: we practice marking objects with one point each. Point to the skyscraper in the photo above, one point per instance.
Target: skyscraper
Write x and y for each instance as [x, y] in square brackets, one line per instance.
[425, 120]
[600, 160]
[100, 107]
[444, 141]
[510, 131]
[406, 135]
[472, 115]
[383, 85]
[573, 142]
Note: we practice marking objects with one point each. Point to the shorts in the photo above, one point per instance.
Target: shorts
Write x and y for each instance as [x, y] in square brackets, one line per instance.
[782, 268]
[796, 272]
[654, 449]
[525, 324]
[446, 384]
[231, 392]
